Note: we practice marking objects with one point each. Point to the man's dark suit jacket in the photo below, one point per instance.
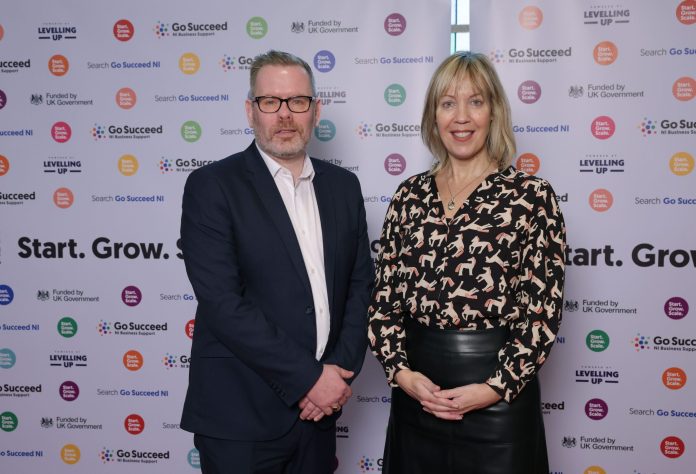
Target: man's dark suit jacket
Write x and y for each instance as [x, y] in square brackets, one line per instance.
[254, 342]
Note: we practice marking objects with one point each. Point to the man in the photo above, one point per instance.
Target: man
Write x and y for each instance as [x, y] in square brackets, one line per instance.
[276, 249]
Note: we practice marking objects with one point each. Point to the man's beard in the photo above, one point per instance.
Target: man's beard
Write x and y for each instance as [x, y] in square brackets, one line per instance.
[279, 147]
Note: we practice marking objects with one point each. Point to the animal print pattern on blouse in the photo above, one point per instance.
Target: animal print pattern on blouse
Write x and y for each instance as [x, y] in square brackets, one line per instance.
[499, 261]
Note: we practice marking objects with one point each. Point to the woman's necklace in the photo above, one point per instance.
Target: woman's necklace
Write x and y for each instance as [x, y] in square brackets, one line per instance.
[450, 203]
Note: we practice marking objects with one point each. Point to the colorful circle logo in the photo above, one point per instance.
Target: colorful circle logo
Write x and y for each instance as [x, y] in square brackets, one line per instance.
[67, 327]
[169, 360]
[227, 63]
[674, 378]
[676, 307]
[7, 358]
[103, 327]
[605, 53]
[188, 329]
[325, 130]
[529, 92]
[684, 88]
[601, 200]
[6, 295]
[63, 198]
[194, 458]
[641, 343]
[123, 30]
[61, 132]
[161, 29]
[395, 164]
[134, 424]
[131, 296]
[395, 95]
[165, 165]
[529, 163]
[189, 63]
[364, 130]
[395, 24]
[596, 409]
[2, 32]
[98, 132]
[672, 447]
[603, 127]
[69, 391]
[680, 164]
[191, 131]
[594, 470]
[126, 98]
[647, 127]
[530, 18]
[597, 340]
[133, 360]
[4, 165]
[257, 27]
[8, 421]
[3, 99]
[70, 454]
[128, 165]
[106, 455]
[58, 65]
[686, 12]
[324, 61]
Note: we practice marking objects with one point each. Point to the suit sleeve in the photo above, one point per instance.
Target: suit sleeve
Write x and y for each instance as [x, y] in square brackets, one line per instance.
[349, 352]
[210, 256]
[540, 297]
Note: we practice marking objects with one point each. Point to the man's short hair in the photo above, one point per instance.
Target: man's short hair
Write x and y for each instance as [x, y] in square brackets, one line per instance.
[277, 58]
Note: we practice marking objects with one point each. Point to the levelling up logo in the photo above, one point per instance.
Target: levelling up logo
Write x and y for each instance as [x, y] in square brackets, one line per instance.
[607, 15]
[57, 31]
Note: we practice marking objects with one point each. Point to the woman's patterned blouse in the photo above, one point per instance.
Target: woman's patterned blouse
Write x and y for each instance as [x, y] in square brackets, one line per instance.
[499, 261]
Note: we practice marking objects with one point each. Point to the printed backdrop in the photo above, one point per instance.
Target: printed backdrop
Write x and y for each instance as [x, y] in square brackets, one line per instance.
[105, 109]
[603, 106]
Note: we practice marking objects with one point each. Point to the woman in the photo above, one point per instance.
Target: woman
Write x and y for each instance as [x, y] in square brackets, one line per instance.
[468, 291]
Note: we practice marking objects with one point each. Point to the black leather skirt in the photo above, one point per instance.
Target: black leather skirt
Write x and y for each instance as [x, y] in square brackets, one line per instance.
[505, 438]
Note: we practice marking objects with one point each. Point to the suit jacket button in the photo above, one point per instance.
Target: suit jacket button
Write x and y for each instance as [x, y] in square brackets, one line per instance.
[309, 310]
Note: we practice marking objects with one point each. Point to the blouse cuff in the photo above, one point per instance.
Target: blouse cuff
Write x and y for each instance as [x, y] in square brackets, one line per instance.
[391, 372]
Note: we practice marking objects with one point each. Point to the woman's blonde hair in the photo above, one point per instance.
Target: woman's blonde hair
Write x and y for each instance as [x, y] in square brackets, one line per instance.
[476, 67]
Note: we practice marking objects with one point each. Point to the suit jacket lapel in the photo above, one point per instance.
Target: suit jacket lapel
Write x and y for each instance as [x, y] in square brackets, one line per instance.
[327, 214]
[268, 193]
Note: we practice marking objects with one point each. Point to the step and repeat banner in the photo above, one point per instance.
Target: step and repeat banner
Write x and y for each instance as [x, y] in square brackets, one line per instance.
[105, 108]
[603, 106]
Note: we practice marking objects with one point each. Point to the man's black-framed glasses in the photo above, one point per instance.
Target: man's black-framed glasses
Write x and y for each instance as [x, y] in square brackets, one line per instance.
[269, 104]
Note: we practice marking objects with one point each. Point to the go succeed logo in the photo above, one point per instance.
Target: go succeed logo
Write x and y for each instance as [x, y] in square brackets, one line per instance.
[530, 55]
[648, 126]
[181, 30]
[388, 130]
[100, 132]
[664, 343]
[108, 455]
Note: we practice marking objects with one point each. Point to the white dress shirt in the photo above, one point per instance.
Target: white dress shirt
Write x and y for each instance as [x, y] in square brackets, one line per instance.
[301, 203]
